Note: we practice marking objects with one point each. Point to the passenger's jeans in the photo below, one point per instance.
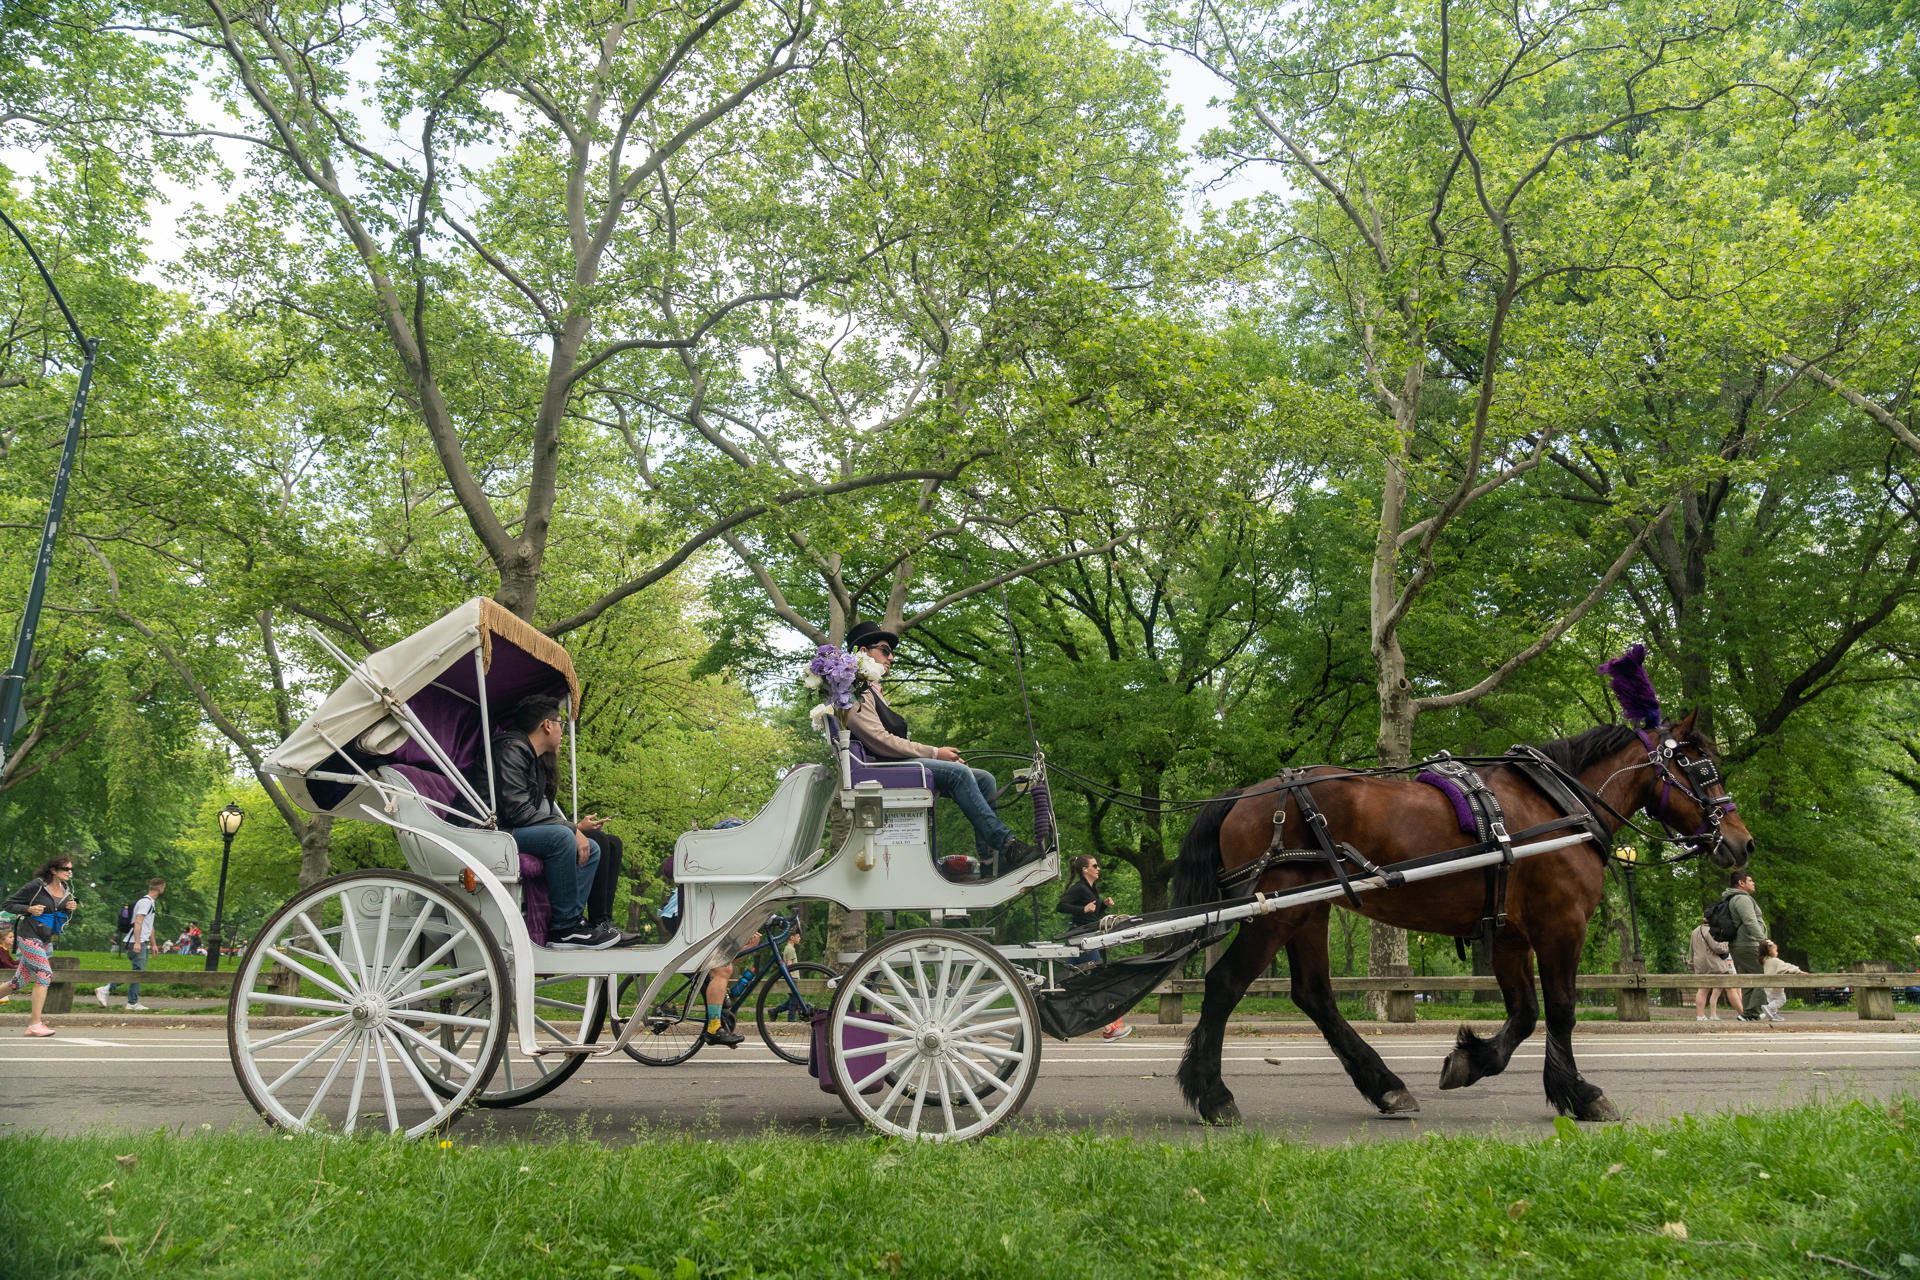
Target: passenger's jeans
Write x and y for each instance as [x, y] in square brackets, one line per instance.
[567, 881]
[973, 790]
[138, 959]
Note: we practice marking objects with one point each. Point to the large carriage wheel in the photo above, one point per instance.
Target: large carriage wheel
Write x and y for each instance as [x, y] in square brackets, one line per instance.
[520, 1078]
[370, 958]
[952, 1038]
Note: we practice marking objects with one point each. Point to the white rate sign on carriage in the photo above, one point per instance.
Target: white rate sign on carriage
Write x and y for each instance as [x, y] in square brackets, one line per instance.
[385, 999]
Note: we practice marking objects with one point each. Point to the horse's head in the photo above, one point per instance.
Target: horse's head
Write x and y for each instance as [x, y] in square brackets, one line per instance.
[1690, 796]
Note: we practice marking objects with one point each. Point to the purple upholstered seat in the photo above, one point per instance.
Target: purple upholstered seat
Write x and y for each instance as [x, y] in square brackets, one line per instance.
[888, 773]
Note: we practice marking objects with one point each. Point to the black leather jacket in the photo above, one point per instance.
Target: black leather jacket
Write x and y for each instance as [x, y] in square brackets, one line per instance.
[521, 783]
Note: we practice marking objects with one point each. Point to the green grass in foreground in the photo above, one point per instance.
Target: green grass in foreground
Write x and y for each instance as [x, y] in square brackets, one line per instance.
[1756, 1195]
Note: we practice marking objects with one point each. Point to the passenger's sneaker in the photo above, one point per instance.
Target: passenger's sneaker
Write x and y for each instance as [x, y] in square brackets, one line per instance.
[139, 1008]
[731, 1039]
[1118, 1031]
[1018, 853]
[100, 994]
[621, 939]
[583, 937]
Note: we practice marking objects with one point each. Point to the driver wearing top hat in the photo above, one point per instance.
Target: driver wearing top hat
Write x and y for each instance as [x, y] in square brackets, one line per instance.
[883, 732]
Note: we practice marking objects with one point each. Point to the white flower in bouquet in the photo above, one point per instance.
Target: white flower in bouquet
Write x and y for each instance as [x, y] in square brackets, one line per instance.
[813, 681]
[869, 668]
[819, 717]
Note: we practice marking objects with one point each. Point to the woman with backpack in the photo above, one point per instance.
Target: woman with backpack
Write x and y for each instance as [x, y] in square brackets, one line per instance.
[40, 909]
[1707, 954]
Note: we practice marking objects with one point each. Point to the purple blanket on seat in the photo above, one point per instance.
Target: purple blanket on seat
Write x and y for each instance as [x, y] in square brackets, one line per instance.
[1462, 811]
[535, 905]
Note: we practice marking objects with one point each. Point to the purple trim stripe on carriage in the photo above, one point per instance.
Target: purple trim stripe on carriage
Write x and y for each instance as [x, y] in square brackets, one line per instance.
[1462, 811]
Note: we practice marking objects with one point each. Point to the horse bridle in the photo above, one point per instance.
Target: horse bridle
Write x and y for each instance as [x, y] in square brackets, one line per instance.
[1694, 778]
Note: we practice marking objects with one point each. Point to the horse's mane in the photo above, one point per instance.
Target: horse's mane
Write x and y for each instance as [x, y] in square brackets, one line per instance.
[1584, 750]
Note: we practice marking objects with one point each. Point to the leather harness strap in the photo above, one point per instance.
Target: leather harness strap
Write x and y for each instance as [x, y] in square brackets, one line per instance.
[1295, 783]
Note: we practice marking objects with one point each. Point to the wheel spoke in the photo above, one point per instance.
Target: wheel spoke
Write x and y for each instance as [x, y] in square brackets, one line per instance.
[984, 1028]
[359, 1085]
[886, 1006]
[331, 956]
[451, 984]
[893, 1095]
[380, 937]
[952, 1002]
[386, 1082]
[889, 1030]
[966, 1090]
[295, 1002]
[886, 1065]
[278, 956]
[999, 989]
[402, 1029]
[986, 1077]
[946, 1098]
[325, 1024]
[893, 980]
[919, 967]
[453, 940]
[427, 1094]
[310, 1059]
[997, 1053]
[326, 1084]
[439, 1019]
[351, 927]
[919, 1096]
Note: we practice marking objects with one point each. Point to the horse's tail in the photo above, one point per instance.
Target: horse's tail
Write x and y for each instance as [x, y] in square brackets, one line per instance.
[1196, 877]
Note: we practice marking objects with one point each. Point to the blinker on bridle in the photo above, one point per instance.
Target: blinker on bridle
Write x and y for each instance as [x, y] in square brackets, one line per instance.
[1696, 777]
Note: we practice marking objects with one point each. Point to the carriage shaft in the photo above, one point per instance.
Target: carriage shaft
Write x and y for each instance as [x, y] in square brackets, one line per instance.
[1268, 903]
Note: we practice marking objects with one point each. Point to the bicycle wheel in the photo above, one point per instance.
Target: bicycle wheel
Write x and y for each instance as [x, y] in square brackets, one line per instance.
[776, 987]
[670, 1033]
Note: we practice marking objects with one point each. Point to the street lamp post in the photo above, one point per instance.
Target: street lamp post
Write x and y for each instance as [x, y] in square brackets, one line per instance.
[230, 819]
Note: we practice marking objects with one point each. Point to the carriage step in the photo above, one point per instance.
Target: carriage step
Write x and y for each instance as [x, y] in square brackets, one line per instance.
[547, 1050]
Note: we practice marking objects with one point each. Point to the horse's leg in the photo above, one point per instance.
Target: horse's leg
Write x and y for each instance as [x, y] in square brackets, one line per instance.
[1476, 1057]
[1566, 1090]
[1312, 971]
[1200, 1080]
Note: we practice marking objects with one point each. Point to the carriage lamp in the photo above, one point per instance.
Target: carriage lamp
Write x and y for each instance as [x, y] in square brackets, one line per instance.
[230, 819]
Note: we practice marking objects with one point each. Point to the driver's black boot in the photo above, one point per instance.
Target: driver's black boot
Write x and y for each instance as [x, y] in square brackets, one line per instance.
[1018, 853]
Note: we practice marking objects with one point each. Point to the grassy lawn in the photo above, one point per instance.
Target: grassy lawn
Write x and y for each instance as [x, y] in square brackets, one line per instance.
[1784, 1193]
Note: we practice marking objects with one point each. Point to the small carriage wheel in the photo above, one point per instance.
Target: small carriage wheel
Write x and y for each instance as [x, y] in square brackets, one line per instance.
[521, 1078]
[763, 1016]
[369, 958]
[952, 1043]
[673, 1030]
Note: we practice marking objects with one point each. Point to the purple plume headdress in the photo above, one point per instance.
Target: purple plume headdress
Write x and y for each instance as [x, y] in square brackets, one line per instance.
[1628, 676]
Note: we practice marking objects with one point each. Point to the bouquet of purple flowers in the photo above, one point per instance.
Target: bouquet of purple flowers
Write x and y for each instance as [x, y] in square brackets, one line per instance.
[842, 676]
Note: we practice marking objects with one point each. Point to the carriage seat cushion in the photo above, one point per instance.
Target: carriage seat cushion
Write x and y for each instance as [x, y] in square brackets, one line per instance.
[888, 773]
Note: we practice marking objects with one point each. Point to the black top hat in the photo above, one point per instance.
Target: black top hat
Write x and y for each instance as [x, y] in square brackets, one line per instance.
[864, 634]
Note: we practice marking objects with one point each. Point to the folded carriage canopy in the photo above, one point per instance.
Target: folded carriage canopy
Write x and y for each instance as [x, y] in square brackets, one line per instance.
[478, 654]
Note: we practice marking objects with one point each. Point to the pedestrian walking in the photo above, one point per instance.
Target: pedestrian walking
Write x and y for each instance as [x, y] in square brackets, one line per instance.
[1707, 954]
[1746, 943]
[139, 946]
[1771, 963]
[1082, 903]
[39, 910]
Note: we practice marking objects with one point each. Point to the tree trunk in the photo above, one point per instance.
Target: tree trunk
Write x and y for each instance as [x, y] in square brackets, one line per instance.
[1386, 945]
[316, 848]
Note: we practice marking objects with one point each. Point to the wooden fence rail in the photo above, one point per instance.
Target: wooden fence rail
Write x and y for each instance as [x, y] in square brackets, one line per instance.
[1873, 986]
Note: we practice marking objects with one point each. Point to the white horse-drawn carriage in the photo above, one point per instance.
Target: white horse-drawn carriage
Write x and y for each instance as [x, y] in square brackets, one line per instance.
[388, 999]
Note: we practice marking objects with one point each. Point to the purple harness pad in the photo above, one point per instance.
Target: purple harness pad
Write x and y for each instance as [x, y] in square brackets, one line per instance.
[1462, 811]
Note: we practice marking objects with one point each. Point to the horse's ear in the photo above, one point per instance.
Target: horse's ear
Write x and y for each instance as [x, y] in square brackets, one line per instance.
[1684, 729]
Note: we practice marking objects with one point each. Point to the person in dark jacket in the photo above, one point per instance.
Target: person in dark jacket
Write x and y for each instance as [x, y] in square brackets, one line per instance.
[1082, 904]
[521, 791]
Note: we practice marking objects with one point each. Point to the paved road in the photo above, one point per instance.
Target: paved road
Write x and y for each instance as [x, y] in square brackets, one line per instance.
[137, 1078]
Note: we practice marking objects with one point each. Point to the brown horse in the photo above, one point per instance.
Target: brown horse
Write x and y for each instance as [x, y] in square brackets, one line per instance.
[1668, 772]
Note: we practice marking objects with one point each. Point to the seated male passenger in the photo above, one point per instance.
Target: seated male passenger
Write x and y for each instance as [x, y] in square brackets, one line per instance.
[522, 786]
[883, 732]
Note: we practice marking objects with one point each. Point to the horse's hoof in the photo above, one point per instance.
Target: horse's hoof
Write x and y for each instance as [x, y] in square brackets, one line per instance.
[1456, 1072]
[1397, 1102]
[1600, 1111]
[1221, 1114]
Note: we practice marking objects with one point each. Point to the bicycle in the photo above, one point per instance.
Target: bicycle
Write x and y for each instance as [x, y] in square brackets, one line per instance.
[673, 1027]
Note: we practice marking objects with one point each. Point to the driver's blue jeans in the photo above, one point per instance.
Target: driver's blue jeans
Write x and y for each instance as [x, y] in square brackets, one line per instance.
[973, 790]
[567, 881]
